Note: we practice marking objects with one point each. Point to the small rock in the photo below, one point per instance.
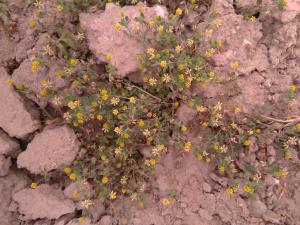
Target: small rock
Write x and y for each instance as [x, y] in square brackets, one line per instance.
[8, 146]
[53, 148]
[271, 150]
[270, 181]
[206, 187]
[106, 220]
[96, 210]
[5, 164]
[63, 220]
[185, 113]
[42, 202]
[271, 217]
[104, 38]
[16, 119]
[257, 208]
[221, 180]
[253, 146]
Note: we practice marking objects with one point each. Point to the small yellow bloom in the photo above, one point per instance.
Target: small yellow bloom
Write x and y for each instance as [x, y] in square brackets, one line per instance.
[247, 142]
[73, 62]
[9, 82]
[152, 162]
[200, 156]
[33, 185]
[132, 100]
[178, 11]
[183, 128]
[115, 101]
[190, 42]
[178, 48]
[293, 88]
[75, 194]
[99, 117]
[211, 74]
[181, 66]
[141, 123]
[288, 155]
[112, 195]
[187, 146]
[163, 64]
[118, 26]
[72, 176]
[103, 157]
[248, 189]
[218, 43]
[160, 29]
[297, 126]
[43, 92]
[181, 77]
[210, 52]
[118, 130]
[258, 131]
[126, 135]
[81, 219]
[221, 169]
[234, 65]
[32, 24]
[104, 180]
[67, 170]
[35, 65]
[165, 202]
[201, 109]
[115, 112]
[252, 19]
[109, 57]
[237, 109]
[124, 191]
[230, 191]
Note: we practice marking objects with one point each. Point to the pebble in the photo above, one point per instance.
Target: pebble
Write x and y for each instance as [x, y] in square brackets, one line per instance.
[271, 217]
[206, 187]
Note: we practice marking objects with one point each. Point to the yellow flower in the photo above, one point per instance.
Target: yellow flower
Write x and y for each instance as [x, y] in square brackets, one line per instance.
[178, 11]
[118, 130]
[118, 26]
[258, 131]
[181, 77]
[298, 126]
[205, 124]
[221, 169]
[237, 109]
[115, 101]
[75, 194]
[199, 156]
[281, 173]
[104, 180]
[105, 128]
[211, 74]
[141, 123]
[126, 135]
[163, 64]
[73, 62]
[210, 52]
[32, 24]
[160, 29]
[247, 142]
[190, 42]
[288, 155]
[201, 109]
[217, 22]
[252, 19]
[166, 78]
[35, 65]
[165, 202]
[112, 195]
[152, 162]
[109, 57]
[67, 170]
[218, 43]
[33, 185]
[103, 157]
[132, 100]
[9, 82]
[59, 7]
[58, 73]
[124, 191]
[72, 176]
[115, 112]
[81, 219]
[181, 66]
[178, 48]
[99, 117]
[293, 88]
[230, 191]
[234, 65]
[43, 92]
[187, 146]
[248, 189]
[183, 129]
